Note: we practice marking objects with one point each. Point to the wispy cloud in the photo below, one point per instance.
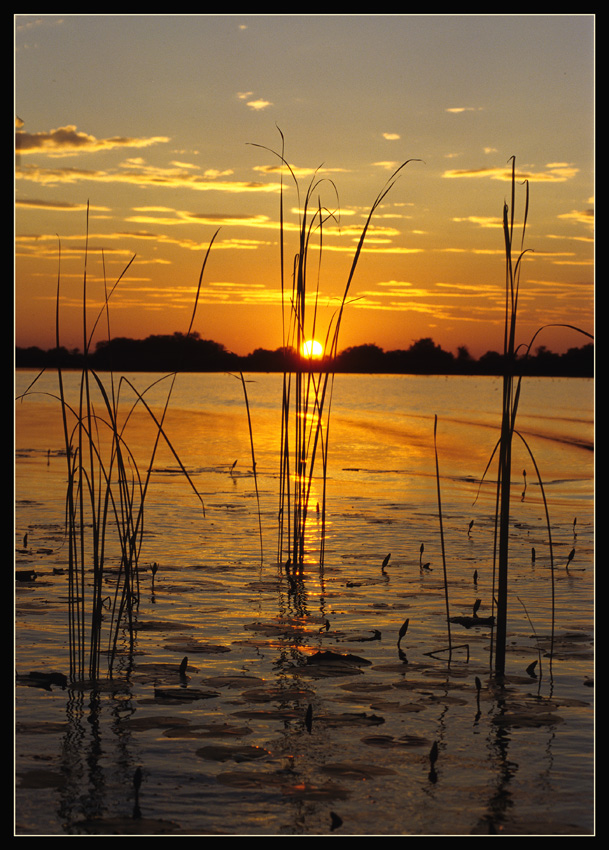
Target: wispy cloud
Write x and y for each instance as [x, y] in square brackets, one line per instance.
[142, 175]
[481, 220]
[457, 109]
[61, 206]
[174, 217]
[580, 216]
[387, 164]
[556, 172]
[68, 141]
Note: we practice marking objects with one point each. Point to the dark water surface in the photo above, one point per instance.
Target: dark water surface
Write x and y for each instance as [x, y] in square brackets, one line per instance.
[299, 713]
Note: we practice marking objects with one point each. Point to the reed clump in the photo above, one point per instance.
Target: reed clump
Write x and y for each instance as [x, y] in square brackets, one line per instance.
[511, 389]
[106, 494]
[307, 387]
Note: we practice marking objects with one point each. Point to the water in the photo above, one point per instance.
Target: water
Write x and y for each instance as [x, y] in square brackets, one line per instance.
[242, 758]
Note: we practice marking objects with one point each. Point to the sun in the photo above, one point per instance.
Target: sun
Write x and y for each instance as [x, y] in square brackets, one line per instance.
[312, 348]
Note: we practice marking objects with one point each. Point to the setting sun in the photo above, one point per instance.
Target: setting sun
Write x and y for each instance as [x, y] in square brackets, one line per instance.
[312, 348]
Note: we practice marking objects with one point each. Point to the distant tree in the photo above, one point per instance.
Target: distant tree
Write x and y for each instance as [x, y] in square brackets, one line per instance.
[31, 357]
[491, 363]
[427, 357]
[579, 361]
[361, 358]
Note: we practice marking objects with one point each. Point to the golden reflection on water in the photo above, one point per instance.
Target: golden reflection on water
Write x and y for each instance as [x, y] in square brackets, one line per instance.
[210, 589]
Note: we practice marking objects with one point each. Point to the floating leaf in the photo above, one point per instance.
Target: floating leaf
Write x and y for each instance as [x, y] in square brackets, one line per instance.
[184, 694]
[468, 622]
[329, 657]
[218, 752]
[356, 770]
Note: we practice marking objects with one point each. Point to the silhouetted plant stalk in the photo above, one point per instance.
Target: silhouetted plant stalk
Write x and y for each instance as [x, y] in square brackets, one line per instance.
[307, 393]
[435, 445]
[443, 550]
[510, 398]
[508, 414]
[105, 489]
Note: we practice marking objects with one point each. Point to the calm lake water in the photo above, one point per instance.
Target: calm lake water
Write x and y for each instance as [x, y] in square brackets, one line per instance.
[231, 750]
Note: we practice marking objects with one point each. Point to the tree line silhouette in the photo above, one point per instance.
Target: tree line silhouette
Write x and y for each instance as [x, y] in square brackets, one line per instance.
[190, 353]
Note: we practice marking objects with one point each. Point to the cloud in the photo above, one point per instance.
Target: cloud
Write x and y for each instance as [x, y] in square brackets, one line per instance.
[391, 136]
[456, 109]
[258, 104]
[138, 174]
[216, 219]
[388, 164]
[483, 221]
[68, 141]
[298, 170]
[62, 206]
[556, 173]
[579, 216]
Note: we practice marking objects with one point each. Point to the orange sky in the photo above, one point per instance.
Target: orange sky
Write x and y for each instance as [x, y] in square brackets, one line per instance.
[157, 123]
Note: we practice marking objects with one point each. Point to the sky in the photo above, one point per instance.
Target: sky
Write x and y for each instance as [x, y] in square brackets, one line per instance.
[168, 129]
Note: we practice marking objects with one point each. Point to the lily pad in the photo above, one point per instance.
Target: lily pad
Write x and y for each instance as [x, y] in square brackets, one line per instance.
[217, 752]
[195, 646]
[126, 826]
[271, 694]
[184, 694]
[350, 719]
[252, 780]
[389, 742]
[398, 707]
[237, 681]
[211, 730]
[368, 687]
[527, 719]
[143, 724]
[41, 778]
[159, 626]
[286, 783]
[356, 770]
[470, 622]
[38, 727]
[269, 713]
[357, 637]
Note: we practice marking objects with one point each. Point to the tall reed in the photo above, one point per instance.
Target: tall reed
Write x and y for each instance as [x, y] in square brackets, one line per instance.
[508, 413]
[307, 388]
[511, 387]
